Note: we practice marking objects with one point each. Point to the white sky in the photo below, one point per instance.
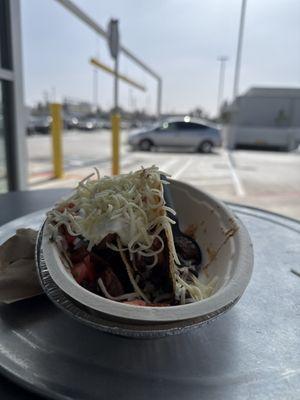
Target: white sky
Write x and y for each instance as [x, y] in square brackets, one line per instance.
[180, 39]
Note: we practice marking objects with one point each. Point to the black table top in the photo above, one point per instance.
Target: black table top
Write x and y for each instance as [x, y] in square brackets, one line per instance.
[14, 205]
[251, 352]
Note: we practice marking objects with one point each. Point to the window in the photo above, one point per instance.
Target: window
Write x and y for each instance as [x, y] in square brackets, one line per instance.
[5, 64]
[12, 133]
[182, 125]
[193, 127]
[5, 40]
[169, 126]
[3, 171]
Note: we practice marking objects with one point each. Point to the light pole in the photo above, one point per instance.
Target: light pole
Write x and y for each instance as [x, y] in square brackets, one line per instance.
[239, 51]
[222, 61]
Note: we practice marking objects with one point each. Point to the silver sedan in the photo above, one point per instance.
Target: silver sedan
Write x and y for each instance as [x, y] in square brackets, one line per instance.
[186, 132]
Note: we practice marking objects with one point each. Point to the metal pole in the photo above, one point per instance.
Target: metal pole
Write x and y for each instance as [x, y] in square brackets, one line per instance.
[94, 25]
[222, 60]
[56, 129]
[69, 5]
[115, 122]
[116, 85]
[17, 157]
[239, 51]
[122, 77]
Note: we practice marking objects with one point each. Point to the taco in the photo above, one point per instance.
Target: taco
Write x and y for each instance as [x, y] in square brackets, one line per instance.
[115, 234]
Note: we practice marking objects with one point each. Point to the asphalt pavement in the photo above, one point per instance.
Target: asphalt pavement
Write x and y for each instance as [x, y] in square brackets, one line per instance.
[264, 179]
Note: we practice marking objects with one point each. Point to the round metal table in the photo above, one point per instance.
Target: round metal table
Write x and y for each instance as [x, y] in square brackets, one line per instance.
[250, 352]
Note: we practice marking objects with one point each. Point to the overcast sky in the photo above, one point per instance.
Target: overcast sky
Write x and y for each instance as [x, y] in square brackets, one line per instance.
[180, 39]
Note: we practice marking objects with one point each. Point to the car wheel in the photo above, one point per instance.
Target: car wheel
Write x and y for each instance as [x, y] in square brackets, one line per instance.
[145, 145]
[206, 147]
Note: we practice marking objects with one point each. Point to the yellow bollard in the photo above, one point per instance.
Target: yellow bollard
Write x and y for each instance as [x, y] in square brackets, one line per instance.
[115, 130]
[56, 129]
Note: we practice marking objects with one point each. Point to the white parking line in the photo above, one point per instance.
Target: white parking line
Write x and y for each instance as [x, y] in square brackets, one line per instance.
[182, 169]
[211, 182]
[240, 191]
[165, 167]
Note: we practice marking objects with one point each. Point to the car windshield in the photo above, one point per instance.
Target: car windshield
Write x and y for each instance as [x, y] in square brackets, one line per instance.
[227, 124]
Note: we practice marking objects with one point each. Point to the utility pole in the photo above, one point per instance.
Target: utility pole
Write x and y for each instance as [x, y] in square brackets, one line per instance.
[222, 61]
[239, 51]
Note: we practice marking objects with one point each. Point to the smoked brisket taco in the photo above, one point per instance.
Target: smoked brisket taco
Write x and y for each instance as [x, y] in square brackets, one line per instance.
[115, 236]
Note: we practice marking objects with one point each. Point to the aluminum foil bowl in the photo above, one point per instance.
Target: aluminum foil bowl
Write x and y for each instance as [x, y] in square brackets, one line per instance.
[227, 253]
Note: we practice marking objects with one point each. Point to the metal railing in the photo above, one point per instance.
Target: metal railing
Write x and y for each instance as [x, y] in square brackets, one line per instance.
[70, 6]
[97, 63]
[118, 48]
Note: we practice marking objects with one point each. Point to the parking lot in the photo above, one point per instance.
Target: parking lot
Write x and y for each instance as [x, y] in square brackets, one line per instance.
[265, 179]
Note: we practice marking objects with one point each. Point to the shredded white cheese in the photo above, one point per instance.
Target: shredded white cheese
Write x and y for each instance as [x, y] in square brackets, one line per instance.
[133, 207]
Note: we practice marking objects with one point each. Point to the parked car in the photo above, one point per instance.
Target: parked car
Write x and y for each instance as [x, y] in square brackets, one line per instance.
[180, 132]
[125, 124]
[70, 122]
[105, 124]
[88, 124]
[38, 124]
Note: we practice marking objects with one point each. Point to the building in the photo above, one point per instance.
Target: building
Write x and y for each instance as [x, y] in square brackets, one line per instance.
[265, 116]
[12, 128]
[269, 107]
[76, 107]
